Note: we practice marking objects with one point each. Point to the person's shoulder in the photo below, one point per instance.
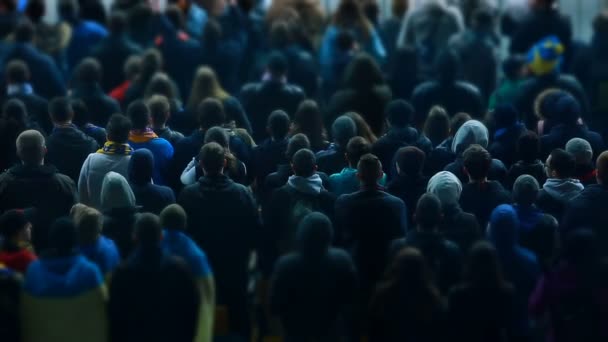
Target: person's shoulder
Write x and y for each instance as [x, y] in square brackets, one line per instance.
[252, 87]
[424, 88]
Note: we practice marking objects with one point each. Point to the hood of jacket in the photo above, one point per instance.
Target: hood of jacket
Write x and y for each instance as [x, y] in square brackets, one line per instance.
[69, 137]
[446, 186]
[60, 277]
[472, 132]
[563, 189]
[503, 227]
[309, 185]
[314, 235]
[141, 166]
[116, 192]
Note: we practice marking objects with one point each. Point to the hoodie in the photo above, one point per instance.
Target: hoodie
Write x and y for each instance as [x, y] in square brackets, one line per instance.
[309, 185]
[151, 197]
[446, 186]
[472, 132]
[563, 190]
[116, 192]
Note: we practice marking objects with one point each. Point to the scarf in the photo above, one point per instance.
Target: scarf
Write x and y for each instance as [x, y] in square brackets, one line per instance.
[140, 136]
[111, 147]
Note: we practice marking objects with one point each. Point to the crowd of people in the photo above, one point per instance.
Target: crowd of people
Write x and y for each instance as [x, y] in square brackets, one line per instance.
[215, 170]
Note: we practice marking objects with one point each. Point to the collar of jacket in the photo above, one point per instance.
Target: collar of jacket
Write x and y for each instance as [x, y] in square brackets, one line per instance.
[216, 182]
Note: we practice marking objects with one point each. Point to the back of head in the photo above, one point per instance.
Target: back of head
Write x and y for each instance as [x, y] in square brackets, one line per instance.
[175, 16]
[304, 163]
[602, 168]
[458, 120]
[151, 62]
[342, 130]
[213, 158]
[116, 192]
[139, 113]
[472, 132]
[148, 231]
[17, 72]
[35, 10]
[446, 186]
[308, 117]
[11, 223]
[363, 72]
[277, 64]
[118, 128]
[356, 148]
[528, 147]
[483, 18]
[369, 169]
[566, 110]
[399, 8]
[447, 66]
[477, 162]
[88, 71]
[60, 110]
[161, 84]
[483, 267]
[409, 272]
[278, 124]
[211, 113]
[561, 164]
[89, 224]
[174, 217]
[14, 109]
[280, 34]
[581, 150]
[428, 212]
[345, 41]
[141, 166]
[118, 22]
[25, 31]
[314, 234]
[212, 32]
[217, 135]
[296, 143]
[31, 147]
[81, 112]
[513, 66]
[399, 113]
[62, 237]
[437, 125]
[525, 190]
[410, 160]
[160, 109]
[600, 24]
[132, 67]
[205, 85]
[68, 10]
[504, 224]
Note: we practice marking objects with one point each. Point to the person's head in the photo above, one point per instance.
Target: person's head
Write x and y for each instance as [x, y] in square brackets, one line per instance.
[278, 125]
[363, 128]
[212, 32]
[363, 72]
[118, 129]
[148, 231]
[546, 56]
[139, 113]
[346, 42]
[350, 15]
[88, 71]
[602, 168]
[477, 161]
[409, 161]
[308, 119]
[31, 147]
[218, 135]
[503, 227]
[399, 113]
[447, 66]
[457, 121]
[25, 31]
[399, 8]
[280, 34]
[525, 190]
[483, 19]
[514, 67]
[544, 103]
[35, 10]
[17, 72]
[175, 16]
[68, 10]
[132, 67]
[528, 147]
[504, 116]
[60, 110]
[581, 150]
[204, 85]
[542, 4]
[566, 110]
[428, 213]
[212, 159]
[160, 110]
[174, 217]
[14, 110]
[355, 149]
[210, 113]
[560, 164]
[277, 65]
[342, 130]
[118, 23]
[470, 133]
[15, 227]
[81, 112]
[141, 166]
[314, 235]
[482, 268]
[437, 125]
[116, 192]
[369, 170]
[446, 186]
[151, 62]
[63, 237]
[161, 84]
[304, 163]
[297, 142]
[89, 224]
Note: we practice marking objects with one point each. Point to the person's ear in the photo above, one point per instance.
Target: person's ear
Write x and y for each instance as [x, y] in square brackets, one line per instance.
[466, 172]
[397, 168]
[316, 168]
[225, 163]
[292, 168]
[359, 177]
[346, 157]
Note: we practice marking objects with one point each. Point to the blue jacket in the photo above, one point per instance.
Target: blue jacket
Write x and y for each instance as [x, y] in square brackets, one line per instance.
[85, 36]
[103, 253]
[162, 151]
[179, 244]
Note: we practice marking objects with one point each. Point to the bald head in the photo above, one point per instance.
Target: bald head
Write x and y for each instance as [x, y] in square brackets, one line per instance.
[31, 147]
[602, 168]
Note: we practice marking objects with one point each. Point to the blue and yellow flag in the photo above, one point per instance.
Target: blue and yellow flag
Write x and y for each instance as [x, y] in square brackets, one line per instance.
[546, 56]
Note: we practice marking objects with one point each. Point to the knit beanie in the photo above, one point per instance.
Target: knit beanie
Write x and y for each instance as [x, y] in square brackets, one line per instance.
[581, 150]
[446, 186]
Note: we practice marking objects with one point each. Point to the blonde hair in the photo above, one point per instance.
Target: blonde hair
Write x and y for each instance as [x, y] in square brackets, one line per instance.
[205, 85]
[88, 221]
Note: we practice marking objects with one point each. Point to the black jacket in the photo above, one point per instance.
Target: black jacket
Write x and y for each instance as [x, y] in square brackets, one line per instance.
[100, 106]
[536, 170]
[118, 225]
[266, 157]
[481, 199]
[460, 227]
[386, 147]
[409, 189]
[331, 160]
[67, 148]
[497, 172]
[152, 198]
[504, 146]
[261, 99]
[112, 52]
[455, 98]
[369, 103]
[51, 193]
[588, 210]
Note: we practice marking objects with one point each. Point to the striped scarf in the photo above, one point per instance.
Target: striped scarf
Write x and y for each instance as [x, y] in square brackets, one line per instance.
[142, 136]
[111, 147]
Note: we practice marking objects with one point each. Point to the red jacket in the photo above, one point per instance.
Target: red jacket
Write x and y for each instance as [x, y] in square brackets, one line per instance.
[17, 260]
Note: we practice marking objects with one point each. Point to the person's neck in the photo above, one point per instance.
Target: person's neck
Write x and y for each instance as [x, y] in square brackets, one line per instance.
[41, 163]
[63, 124]
[370, 187]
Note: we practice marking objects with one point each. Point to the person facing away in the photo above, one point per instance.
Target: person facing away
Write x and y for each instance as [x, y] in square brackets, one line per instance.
[113, 156]
[67, 146]
[313, 286]
[528, 163]
[480, 308]
[582, 151]
[142, 136]
[409, 183]
[347, 182]
[332, 159]
[443, 256]
[82, 120]
[160, 112]
[507, 130]
[151, 197]
[33, 184]
[175, 242]
[98, 249]
[480, 196]
[64, 293]
[406, 304]
[271, 152]
[150, 283]
[16, 232]
[560, 187]
[222, 212]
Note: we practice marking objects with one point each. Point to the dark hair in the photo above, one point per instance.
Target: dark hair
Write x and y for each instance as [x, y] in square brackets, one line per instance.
[349, 15]
[60, 110]
[212, 33]
[345, 40]
[118, 22]
[457, 121]
[148, 230]
[304, 163]
[309, 120]
[437, 125]
[563, 163]
[24, 32]
[447, 66]
[512, 66]
[17, 71]
[175, 16]
[600, 23]
[410, 160]
[342, 130]
[483, 18]
[356, 148]
[280, 34]
[14, 109]
[363, 72]
[161, 84]
[483, 269]
[477, 162]
[81, 112]
[139, 113]
[160, 109]
[399, 113]
[213, 157]
[210, 113]
[118, 128]
[63, 236]
[278, 124]
[11, 223]
[296, 143]
[528, 147]
[277, 64]
[369, 169]
[35, 10]
[428, 212]
[174, 217]
[218, 135]
[151, 62]
[88, 71]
